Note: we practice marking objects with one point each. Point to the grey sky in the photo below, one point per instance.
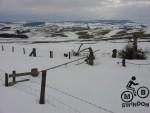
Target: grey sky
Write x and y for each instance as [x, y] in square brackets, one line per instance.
[58, 10]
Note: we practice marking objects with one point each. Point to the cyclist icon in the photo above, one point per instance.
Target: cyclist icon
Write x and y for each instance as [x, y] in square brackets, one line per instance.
[131, 92]
[132, 83]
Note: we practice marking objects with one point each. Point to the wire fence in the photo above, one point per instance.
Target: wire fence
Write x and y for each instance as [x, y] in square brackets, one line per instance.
[40, 52]
[32, 91]
[136, 64]
[64, 64]
[35, 92]
[24, 50]
[46, 53]
[51, 100]
[75, 97]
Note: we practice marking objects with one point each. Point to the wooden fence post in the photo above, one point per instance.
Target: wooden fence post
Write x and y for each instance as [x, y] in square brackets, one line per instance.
[33, 52]
[124, 62]
[13, 48]
[24, 51]
[43, 83]
[14, 77]
[2, 48]
[69, 55]
[6, 79]
[51, 54]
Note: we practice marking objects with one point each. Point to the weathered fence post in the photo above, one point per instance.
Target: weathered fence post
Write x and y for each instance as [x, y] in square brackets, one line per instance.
[69, 55]
[123, 62]
[33, 52]
[13, 48]
[24, 51]
[2, 48]
[14, 77]
[51, 54]
[6, 79]
[43, 84]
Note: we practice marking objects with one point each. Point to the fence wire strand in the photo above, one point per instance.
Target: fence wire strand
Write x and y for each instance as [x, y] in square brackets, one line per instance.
[77, 98]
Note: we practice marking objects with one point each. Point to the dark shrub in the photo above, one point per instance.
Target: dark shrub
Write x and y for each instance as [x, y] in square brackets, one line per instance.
[128, 52]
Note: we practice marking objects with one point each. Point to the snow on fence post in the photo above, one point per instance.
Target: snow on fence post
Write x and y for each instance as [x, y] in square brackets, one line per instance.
[6, 79]
[14, 76]
[13, 48]
[24, 51]
[51, 54]
[43, 83]
[2, 48]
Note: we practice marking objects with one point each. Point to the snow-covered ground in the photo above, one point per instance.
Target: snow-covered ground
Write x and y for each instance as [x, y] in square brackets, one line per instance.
[75, 87]
[71, 88]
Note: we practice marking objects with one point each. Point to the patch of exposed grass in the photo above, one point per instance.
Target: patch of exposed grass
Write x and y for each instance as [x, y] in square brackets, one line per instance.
[84, 35]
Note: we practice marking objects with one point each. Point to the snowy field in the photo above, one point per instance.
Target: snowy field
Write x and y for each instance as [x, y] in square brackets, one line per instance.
[71, 88]
[75, 87]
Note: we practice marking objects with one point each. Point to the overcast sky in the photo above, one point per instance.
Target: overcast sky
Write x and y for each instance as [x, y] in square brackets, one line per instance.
[59, 10]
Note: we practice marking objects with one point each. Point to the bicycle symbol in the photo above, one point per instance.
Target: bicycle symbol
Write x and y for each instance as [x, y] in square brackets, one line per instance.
[128, 95]
[142, 92]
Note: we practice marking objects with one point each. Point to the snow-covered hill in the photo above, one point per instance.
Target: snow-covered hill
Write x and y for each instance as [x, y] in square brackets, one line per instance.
[68, 31]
